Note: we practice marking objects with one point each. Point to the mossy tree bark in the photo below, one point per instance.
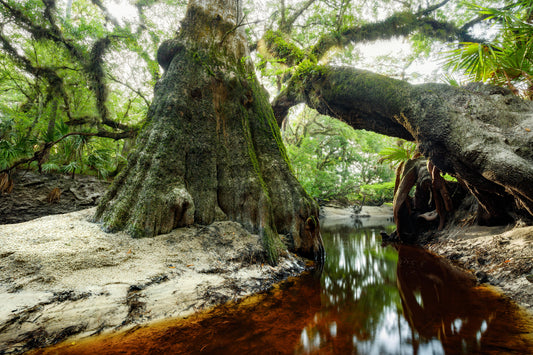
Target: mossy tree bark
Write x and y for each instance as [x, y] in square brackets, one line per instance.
[480, 134]
[211, 149]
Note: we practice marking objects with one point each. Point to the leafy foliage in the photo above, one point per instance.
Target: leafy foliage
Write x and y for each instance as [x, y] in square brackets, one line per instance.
[377, 194]
[506, 59]
[332, 160]
[74, 67]
[80, 66]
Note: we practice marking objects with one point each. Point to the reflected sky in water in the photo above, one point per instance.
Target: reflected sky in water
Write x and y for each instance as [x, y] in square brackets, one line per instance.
[361, 306]
[368, 299]
[392, 299]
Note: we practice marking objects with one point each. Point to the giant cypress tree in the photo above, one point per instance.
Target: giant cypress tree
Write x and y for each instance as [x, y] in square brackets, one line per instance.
[211, 148]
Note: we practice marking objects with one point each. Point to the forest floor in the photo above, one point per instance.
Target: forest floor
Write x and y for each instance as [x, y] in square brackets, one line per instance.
[61, 276]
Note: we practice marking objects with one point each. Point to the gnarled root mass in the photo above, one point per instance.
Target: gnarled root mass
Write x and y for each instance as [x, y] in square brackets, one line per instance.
[431, 203]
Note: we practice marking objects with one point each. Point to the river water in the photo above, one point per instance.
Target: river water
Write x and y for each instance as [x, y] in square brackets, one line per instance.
[369, 298]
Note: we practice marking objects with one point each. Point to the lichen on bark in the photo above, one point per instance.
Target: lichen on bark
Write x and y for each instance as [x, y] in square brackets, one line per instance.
[211, 148]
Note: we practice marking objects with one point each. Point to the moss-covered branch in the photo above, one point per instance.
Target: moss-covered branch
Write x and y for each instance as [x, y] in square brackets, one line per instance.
[362, 99]
[398, 24]
[93, 120]
[479, 133]
[40, 32]
[95, 68]
[279, 46]
[91, 62]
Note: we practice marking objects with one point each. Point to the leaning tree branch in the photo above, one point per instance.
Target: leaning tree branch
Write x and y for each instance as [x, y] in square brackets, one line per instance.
[480, 134]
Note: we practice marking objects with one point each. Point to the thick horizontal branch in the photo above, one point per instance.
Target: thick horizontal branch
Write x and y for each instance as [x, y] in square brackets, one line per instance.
[362, 99]
[398, 24]
[93, 120]
[117, 125]
[479, 133]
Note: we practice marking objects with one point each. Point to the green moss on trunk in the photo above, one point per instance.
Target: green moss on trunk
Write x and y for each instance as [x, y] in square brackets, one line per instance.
[211, 149]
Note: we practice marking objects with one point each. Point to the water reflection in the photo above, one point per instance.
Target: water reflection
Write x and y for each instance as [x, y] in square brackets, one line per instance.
[441, 302]
[369, 299]
[398, 299]
[361, 307]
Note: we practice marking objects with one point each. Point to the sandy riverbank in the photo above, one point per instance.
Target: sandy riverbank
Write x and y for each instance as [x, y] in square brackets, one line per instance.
[500, 256]
[62, 276]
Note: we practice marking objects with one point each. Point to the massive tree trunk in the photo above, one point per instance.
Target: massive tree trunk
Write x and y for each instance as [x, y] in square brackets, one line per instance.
[480, 134]
[211, 148]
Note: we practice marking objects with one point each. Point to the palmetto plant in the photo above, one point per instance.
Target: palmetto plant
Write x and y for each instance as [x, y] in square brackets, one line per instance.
[14, 144]
[506, 60]
[398, 154]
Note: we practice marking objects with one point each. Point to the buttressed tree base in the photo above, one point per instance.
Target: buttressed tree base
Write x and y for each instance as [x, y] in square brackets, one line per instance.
[211, 148]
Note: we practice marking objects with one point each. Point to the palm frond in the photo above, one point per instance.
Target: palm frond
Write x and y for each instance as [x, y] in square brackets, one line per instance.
[397, 154]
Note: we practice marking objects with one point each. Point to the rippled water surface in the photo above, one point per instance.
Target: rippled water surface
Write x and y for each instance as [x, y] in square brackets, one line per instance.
[368, 299]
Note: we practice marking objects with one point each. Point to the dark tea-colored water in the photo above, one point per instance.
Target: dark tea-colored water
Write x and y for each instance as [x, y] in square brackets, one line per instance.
[368, 299]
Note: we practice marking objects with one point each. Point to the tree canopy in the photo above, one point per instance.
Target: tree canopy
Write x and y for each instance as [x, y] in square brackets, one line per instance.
[75, 70]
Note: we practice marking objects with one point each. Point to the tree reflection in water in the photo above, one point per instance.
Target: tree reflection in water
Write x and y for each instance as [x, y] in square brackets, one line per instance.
[398, 299]
[369, 299]
[442, 302]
